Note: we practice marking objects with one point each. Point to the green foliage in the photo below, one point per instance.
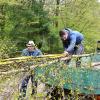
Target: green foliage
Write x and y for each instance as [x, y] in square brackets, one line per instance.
[24, 20]
[82, 16]
[7, 47]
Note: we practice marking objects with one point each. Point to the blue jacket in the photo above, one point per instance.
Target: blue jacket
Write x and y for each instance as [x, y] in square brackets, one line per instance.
[74, 38]
[36, 52]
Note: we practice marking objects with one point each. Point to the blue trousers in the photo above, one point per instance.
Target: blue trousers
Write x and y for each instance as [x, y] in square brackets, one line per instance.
[77, 51]
[25, 83]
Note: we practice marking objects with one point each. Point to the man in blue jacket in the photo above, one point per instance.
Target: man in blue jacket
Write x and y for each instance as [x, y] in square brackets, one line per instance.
[72, 41]
[31, 50]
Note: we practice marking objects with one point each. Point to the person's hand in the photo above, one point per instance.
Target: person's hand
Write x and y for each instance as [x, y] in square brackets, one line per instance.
[32, 67]
[65, 53]
[64, 59]
[66, 56]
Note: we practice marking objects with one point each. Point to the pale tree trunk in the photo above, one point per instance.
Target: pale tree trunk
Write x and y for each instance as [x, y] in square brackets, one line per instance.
[57, 12]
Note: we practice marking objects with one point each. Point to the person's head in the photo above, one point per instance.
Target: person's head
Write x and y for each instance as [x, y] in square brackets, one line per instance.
[31, 46]
[63, 34]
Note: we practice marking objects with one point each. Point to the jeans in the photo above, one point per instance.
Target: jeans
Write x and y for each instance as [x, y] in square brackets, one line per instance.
[25, 83]
[79, 49]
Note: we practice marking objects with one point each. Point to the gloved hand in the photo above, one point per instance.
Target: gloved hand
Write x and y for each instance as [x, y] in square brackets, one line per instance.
[65, 53]
[32, 67]
[66, 56]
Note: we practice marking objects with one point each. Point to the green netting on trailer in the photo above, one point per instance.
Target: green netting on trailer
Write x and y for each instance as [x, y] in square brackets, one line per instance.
[83, 79]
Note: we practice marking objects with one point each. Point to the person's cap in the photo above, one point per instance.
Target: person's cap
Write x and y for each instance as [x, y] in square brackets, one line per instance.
[30, 43]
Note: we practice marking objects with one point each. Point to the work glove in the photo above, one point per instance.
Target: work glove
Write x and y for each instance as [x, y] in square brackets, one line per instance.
[66, 56]
[65, 53]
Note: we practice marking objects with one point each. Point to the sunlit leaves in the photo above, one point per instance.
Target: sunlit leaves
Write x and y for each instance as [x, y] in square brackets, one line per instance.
[7, 47]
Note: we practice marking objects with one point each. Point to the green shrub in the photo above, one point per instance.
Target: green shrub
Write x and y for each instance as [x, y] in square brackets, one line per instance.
[7, 47]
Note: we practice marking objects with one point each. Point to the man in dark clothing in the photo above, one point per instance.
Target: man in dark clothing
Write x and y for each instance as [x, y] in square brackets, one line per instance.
[31, 50]
[71, 41]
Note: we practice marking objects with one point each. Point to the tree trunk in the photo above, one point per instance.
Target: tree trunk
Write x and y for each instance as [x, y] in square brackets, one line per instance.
[57, 12]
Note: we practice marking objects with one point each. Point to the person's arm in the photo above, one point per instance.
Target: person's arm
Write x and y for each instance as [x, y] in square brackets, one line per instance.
[24, 53]
[39, 53]
[72, 44]
[65, 45]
